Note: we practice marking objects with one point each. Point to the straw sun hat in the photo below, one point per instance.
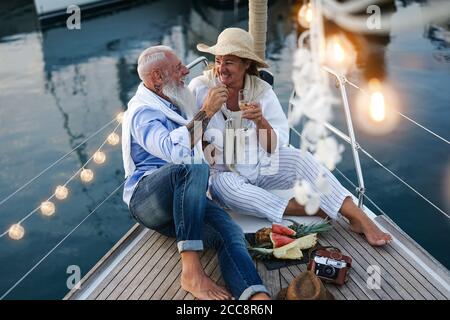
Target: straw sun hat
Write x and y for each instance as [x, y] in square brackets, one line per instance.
[236, 42]
[306, 286]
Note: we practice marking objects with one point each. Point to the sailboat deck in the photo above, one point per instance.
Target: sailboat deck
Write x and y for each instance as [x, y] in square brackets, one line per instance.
[145, 265]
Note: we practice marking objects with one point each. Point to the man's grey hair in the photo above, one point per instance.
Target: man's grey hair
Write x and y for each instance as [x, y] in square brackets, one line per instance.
[149, 58]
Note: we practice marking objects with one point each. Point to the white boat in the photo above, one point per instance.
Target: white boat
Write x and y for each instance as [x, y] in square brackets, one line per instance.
[47, 9]
[145, 265]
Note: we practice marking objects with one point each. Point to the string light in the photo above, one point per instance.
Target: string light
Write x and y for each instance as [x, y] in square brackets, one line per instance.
[47, 208]
[305, 15]
[87, 175]
[99, 157]
[119, 117]
[61, 192]
[113, 139]
[377, 108]
[340, 54]
[16, 232]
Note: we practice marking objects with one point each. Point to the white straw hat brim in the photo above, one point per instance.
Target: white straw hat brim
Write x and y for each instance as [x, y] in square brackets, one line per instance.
[222, 50]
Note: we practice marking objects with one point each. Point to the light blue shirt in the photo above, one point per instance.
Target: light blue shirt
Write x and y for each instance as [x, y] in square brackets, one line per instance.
[155, 141]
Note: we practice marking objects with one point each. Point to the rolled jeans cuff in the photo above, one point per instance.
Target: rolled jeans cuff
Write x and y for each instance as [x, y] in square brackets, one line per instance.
[250, 291]
[190, 245]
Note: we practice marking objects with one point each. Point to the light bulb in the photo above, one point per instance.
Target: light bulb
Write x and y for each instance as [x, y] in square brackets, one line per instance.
[377, 108]
[99, 157]
[113, 139]
[47, 208]
[16, 232]
[61, 192]
[305, 15]
[119, 117]
[338, 52]
[87, 175]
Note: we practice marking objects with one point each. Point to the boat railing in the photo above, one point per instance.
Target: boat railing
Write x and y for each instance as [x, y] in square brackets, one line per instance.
[356, 147]
[197, 61]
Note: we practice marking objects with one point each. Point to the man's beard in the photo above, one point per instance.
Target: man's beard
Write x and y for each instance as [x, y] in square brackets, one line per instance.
[182, 97]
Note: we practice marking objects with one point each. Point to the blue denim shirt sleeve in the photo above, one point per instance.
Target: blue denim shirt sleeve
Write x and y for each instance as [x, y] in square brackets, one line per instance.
[150, 129]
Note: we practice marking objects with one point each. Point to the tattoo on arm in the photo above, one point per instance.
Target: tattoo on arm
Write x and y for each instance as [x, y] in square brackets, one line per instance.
[198, 125]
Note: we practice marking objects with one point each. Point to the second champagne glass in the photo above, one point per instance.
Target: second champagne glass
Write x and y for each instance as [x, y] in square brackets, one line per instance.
[243, 103]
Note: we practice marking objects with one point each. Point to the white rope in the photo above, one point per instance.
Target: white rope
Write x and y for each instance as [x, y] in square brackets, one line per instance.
[59, 243]
[434, 12]
[56, 162]
[65, 184]
[405, 183]
[365, 195]
[396, 176]
[401, 114]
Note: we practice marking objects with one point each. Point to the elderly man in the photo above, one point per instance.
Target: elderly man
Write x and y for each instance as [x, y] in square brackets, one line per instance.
[166, 193]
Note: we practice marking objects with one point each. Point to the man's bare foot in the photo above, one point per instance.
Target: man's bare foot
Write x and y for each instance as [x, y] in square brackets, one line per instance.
[373, 234]
[203, 288]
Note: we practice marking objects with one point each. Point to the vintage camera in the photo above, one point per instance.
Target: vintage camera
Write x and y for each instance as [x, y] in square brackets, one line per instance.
[331, 266]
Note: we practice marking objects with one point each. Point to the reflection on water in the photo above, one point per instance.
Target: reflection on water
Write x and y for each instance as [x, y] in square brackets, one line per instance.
[59, 86]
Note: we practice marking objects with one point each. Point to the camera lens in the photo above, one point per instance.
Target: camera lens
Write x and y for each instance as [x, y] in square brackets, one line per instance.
[329, 271]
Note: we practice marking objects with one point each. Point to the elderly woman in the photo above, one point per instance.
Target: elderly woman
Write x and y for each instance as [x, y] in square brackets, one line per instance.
[243, 186]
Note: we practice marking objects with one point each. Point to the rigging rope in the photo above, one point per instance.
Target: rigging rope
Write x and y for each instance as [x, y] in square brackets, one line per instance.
[59, 243]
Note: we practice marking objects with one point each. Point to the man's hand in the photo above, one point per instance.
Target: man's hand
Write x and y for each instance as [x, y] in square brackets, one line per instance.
[215, 99]
[213, 102]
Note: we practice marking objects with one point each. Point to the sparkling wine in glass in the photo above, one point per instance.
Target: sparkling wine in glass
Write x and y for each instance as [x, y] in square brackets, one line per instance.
[243, 104]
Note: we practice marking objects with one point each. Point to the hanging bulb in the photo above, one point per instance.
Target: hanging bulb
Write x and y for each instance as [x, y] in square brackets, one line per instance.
[47, 208]
[338, 52]
[377, 107]
[119, 117]
[305, 15]
[113, 139]
[61, 192]
[87, 175]
[16, 232]
[99, 157]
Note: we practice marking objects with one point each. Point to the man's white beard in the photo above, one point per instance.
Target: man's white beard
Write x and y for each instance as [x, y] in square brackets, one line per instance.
[182, 97]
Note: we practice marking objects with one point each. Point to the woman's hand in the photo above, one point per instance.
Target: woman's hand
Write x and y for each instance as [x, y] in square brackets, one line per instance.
[252, 111]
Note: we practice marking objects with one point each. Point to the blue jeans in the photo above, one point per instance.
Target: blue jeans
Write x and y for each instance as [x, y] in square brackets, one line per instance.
[172, 201]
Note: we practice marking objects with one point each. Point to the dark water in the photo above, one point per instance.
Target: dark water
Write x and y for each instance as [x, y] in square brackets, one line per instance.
[57, 87]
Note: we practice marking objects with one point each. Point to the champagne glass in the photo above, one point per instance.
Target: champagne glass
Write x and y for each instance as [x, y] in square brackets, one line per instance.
[243, 104]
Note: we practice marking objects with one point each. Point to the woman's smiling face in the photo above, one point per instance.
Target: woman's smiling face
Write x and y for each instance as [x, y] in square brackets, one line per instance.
[231, 70]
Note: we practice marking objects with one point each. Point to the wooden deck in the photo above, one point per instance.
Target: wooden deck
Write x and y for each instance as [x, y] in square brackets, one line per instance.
[146, 265]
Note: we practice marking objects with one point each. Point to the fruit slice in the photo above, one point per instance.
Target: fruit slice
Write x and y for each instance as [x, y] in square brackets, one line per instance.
[292, 253]
[280, 229]
[279, 240]
[302, 243]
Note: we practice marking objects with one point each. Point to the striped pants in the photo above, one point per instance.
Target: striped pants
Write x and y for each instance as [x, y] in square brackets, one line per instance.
[251, 197]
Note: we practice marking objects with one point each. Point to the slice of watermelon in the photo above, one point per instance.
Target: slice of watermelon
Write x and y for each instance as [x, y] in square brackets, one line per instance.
[280, 229]
[279, 240]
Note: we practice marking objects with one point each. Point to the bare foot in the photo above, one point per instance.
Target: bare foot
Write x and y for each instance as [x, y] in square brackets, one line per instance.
[203, 288]
[373, 234]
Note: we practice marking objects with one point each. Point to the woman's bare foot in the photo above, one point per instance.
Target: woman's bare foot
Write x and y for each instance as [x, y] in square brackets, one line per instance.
[373, 234]
[203, 288]
[361, 223]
